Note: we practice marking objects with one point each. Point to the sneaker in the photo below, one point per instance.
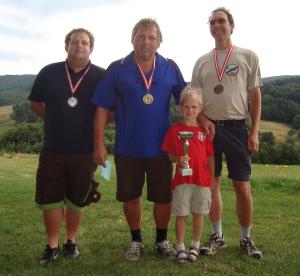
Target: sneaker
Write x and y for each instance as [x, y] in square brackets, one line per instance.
[213, 245]
[166, 249]
[134, 251]
[70, 250]
[248, 246]
[49, 256]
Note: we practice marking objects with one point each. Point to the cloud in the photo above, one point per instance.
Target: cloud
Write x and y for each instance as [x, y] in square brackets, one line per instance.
[32, 32]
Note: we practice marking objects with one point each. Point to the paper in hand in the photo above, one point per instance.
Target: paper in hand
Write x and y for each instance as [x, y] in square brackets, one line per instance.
[105, 172]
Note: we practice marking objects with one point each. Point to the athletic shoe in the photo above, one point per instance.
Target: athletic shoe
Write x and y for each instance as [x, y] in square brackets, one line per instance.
[166, 249]
[49, 256]
[213, 245]
[70, 250]
[134, 251]
[248, 246]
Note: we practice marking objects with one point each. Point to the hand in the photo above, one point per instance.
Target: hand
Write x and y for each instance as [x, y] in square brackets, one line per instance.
[184, 160]
[100, 155]
[253, 142]
[208, 126]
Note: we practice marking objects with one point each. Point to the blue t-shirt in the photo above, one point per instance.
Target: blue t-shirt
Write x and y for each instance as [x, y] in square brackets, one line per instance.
[140, 127]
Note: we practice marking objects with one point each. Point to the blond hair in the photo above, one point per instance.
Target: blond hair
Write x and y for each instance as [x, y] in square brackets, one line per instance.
[189, 91]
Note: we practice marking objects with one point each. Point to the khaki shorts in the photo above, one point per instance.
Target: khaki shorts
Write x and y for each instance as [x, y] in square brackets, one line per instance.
[190, 198]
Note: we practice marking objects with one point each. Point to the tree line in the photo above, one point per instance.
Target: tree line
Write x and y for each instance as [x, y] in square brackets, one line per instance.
[280, 103]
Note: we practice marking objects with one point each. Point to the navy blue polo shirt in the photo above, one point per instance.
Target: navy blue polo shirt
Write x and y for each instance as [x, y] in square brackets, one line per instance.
[67, 129]
[140, 127]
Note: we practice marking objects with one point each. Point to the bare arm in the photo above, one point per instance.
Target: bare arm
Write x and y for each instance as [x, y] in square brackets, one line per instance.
[208, 126]
[38, 108]
[255, 111]
[182, 160]
[110, 117]
[211, 165]
[100, 152]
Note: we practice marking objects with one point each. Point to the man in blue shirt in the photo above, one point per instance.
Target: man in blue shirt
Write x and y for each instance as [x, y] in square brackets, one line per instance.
[139, 88]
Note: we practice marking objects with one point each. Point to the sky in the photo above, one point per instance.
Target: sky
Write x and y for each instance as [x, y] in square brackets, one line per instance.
[32, 32]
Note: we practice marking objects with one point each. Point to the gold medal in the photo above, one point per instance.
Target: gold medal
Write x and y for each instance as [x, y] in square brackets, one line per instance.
[148, 99]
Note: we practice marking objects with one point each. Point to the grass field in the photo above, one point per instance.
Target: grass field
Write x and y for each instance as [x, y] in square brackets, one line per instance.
[103, 236]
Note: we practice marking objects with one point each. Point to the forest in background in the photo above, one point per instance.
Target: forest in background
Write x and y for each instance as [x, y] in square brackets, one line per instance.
[280, 104]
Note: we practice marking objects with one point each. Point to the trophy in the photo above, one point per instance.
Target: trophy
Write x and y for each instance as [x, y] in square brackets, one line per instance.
[185, 136]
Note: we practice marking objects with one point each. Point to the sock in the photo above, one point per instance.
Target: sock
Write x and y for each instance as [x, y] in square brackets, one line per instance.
[136, 235]
[180, 246]
[161, 234]
[245, 232]
[195, 244]
[217, 228]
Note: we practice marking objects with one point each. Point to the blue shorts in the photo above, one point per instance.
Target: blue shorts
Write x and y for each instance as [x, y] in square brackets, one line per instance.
[232, 141]
[131, 172]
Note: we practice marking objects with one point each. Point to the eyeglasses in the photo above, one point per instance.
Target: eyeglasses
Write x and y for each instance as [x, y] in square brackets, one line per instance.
[220, 21]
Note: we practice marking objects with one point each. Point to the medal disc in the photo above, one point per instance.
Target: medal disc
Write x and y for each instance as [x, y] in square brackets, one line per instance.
[218, 89]
[148, 99]
[72, 102]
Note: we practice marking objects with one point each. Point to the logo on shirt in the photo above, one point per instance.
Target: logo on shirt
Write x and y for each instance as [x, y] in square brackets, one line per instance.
[231, 69]
[201, 136]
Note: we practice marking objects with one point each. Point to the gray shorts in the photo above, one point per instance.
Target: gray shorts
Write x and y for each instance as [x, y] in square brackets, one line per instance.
[190, 198]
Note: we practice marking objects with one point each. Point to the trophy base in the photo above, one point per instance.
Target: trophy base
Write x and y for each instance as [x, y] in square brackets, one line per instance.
[185, 171]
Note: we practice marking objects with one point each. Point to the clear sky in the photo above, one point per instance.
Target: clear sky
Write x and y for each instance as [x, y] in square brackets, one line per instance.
[32, 32]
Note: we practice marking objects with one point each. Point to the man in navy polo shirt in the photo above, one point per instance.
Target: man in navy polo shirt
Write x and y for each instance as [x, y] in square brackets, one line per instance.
[139, 88]
[61, 96]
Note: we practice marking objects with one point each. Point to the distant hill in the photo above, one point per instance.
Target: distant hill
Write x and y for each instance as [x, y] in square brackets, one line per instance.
[283, 77]
[15, 88]
[16, 83]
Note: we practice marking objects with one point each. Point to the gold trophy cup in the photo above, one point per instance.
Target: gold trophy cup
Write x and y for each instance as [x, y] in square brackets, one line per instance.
[185, 136]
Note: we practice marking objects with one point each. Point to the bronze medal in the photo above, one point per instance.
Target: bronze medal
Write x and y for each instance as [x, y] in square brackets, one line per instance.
[148, 99]
[218, 89]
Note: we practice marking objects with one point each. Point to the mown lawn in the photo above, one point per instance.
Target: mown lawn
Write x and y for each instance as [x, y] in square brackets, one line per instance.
[104, 236]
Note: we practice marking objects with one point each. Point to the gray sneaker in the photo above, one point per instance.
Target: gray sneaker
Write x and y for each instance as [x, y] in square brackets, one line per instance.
[248, 246]
[166, 249]
[134, 251]
[213, 245]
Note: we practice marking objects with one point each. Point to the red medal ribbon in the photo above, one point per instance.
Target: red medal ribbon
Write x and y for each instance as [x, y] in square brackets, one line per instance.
[147, 83]
[74, 88]
[220, 74]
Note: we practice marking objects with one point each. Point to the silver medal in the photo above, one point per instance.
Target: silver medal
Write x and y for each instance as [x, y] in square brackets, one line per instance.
[72, 102]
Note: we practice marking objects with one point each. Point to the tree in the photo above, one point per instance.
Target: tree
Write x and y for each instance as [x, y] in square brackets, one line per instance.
[296, 121]
[287, 153]
[23, 114]
[267, 137]
[25, 138]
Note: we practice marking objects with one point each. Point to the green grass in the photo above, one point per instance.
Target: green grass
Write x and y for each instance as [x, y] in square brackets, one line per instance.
[103, 235]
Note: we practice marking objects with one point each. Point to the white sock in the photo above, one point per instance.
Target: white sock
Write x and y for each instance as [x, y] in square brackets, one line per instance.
[180, 246]
[245, 232]
[217, 228]
[195, 244]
